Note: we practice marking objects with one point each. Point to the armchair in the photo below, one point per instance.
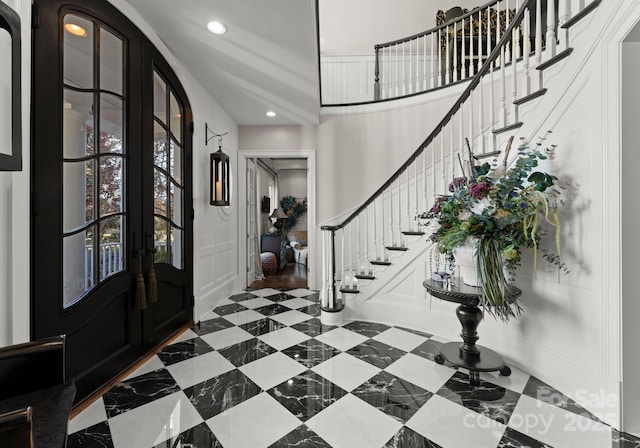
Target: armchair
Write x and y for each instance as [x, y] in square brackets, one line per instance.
[35, 398]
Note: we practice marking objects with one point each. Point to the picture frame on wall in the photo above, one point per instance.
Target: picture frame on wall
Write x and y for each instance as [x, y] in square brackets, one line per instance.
[265, 204]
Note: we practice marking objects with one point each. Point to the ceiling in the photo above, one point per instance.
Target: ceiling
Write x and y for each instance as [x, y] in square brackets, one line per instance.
[267, 60]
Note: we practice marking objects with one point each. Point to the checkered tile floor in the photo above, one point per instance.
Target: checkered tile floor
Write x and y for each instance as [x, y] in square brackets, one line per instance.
[262, 371]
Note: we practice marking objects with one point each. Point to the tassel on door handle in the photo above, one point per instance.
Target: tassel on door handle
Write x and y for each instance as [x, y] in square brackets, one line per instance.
[140, 296]
[153, 286]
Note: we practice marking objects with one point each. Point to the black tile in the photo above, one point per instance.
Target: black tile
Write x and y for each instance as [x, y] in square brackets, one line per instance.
[514, 439]
[198, 436]
[312, 310]
[242, 297]
[312, 327]
[262, 326]
[624, 440]
[181, 351]
[272, 310]
[408, 438]
[368, 329]
[96, 436]
[377, 353]
[280, 297]
[428, 349]
[211, 325]
[547, 394]
[311, 353]
[494, 402]
[230, 308]
[247, 351]
[222, 392]
[394, 396]
[315, 297]
[306, 394]
[301, 437]
[417, 332]
[137, 391]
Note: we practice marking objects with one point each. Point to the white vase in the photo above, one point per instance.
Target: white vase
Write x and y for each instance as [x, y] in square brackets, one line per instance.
[466, 261]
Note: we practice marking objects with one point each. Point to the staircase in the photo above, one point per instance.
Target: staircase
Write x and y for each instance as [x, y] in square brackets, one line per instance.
[381, 241]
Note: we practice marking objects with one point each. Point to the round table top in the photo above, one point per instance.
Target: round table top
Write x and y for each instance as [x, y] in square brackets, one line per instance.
[458, 292]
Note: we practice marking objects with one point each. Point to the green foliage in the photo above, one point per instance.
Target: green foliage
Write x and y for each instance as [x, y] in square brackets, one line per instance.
[294, 210]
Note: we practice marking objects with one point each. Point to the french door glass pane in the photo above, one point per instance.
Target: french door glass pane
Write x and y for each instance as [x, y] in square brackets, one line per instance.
[175, 159]
[159, 146]
[111, 256]
[160, 98]
[160, 234]
[176, 204]
[175, 113]
[78, 52]
[77, 266]
[77, 135]
[176, 247]
[111, 56]
[111, 185]
[111, 124]
[159, 193]
[77, 194]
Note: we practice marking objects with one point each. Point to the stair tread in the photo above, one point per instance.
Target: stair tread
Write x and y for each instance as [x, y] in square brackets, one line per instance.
[581, 15]
[557, 58]
[380, 262]
[530, 97]
[349, 291]
[412, 233]
[508, 128]
[397, 248]
[364, 277]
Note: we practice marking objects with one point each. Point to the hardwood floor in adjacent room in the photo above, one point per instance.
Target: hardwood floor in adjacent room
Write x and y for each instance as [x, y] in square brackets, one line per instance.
[292, 276]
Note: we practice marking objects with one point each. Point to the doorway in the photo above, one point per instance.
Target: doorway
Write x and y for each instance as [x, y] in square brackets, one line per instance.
[112, 191]
[278, 176]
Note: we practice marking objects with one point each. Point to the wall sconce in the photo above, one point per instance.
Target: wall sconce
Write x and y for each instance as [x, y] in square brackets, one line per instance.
[219, 171]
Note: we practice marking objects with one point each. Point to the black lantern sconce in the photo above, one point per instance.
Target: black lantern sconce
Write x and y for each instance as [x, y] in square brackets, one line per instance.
[219, 174]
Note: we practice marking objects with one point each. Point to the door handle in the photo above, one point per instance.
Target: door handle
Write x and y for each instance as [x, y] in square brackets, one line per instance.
[153, 284]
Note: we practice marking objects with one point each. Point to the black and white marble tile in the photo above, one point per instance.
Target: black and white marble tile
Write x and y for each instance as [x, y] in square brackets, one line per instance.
[242, 297]
[417, 332]
[514, 439]
[138, 391]
[301, 437]
[222, 392]
[428, 349]
[307, 394]
[394, 396]
[490, 400]
[408, 438]
[230, 308]
[623, 440]
[198, 436]
[247, 351]
[311, 353]
[96, 436]
[376, 353]
[262, 326]
[181, 351]
[272, 310]
[369, 329]
[211, 325]
[312, 327]
[312, 310]
[280, 297]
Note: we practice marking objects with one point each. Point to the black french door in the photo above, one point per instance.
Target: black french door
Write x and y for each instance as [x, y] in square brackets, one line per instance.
[112, 190]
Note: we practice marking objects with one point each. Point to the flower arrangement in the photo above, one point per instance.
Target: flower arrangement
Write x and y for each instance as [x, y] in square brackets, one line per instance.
[501, 210]
[294, 210]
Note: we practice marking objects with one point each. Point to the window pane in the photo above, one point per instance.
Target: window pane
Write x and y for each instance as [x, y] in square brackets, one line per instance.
[176, 205]
[77, 131]
[175, 159]
[159, 146]
[111, 255]
[159, 98]
[160, 240]
[110, 185]
[111, 55]
[159, 193]
[77, 194]
[176, 247]
[78, 268]
[176, 117]
[111, 124]
[78, 52]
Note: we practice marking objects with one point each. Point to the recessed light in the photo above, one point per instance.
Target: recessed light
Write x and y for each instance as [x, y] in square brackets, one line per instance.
[74, 29]
[270, 114]
[216, 27]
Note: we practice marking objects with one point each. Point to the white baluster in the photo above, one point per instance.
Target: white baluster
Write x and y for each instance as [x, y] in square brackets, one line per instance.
[481, 119]
[342, 278]
[551, 27]
[526, 50]
[392, 240]
[515, 43]
[442, 165]
[463, 59]
[452, 149]
[404, 70]
[415, 180]
[563, 16]
[366, 240]
[408, 202]
[439, 62]
[447, 51]
[358, 253]
[400, 214]
[397, 73]
[455, 51]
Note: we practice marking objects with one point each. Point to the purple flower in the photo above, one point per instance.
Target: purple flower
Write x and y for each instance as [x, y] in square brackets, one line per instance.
[436, 208]
[479, 190]
[523, 205]
[508, 206]
[457, 182]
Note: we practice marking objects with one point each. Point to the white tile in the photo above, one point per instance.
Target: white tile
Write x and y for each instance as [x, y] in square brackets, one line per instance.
[196, 370]
[346, 371]
[350, 423]
[515, 382]
[155, 422]
[243, 317]
[556, 426]
[341, 338]
[187, 335]
[257, 422]
[225, 338]
[265, 292]
[421, 372]
[152, 364]
[399, 338]
[272, 370]
[92, 415]
[300, 292]
[448, 424]
[296, 303]
[256, 303]
[291, 317]
[283, 338]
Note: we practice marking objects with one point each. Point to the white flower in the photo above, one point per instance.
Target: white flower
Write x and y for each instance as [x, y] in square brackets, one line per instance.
[464, 215]
[481, 206]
